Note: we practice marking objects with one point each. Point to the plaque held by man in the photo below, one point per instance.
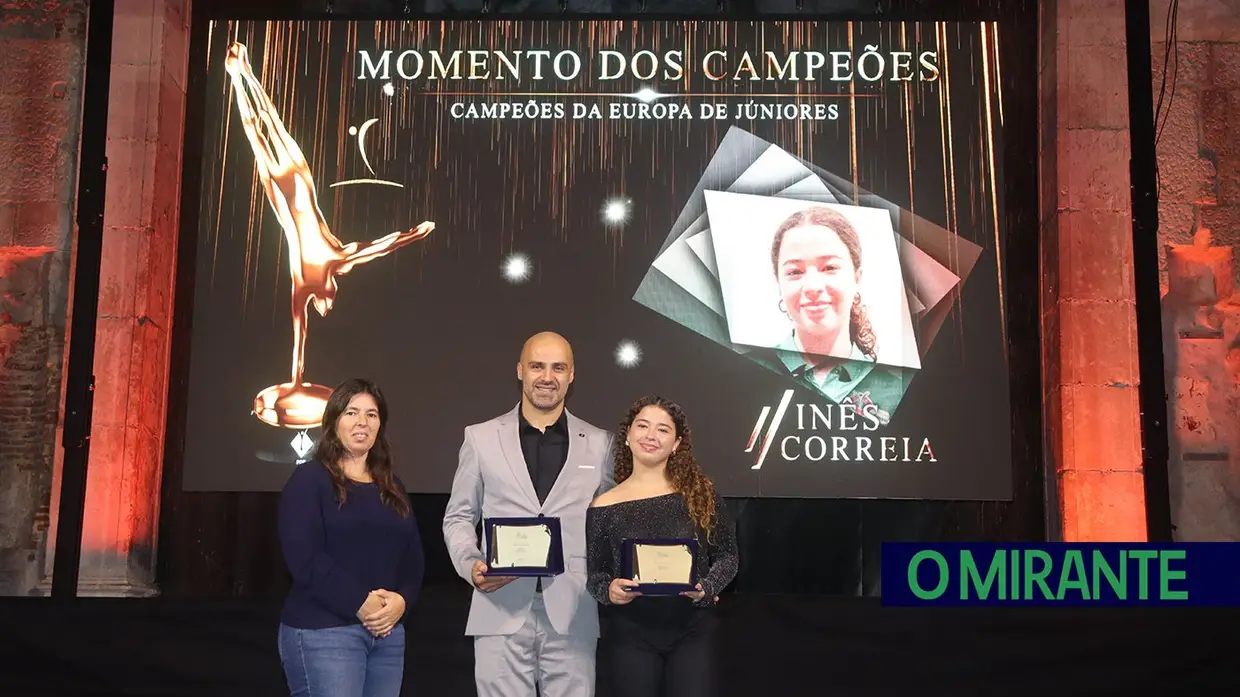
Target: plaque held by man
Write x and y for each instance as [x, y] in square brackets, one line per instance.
[528, 547]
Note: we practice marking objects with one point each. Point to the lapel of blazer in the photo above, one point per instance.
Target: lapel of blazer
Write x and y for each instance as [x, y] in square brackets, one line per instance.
[577, 448]
[510, 443]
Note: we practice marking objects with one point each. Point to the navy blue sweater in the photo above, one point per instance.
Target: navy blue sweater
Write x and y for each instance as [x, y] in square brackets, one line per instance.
[338, 554]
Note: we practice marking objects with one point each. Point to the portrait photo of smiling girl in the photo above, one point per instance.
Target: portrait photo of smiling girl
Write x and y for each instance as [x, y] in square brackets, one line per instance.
[820, 298]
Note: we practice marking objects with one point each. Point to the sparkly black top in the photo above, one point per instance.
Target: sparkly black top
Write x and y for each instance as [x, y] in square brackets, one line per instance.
[665, 516]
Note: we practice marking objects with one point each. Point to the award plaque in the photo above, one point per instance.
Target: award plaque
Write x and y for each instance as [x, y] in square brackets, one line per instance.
[660, 566]
[523, 547]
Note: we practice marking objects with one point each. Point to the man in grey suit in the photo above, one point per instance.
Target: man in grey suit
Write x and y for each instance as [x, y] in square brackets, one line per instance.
[537, 459]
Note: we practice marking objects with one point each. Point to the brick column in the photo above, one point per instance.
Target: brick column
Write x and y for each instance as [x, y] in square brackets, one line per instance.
[42, 61]
[1089, 323]
[146, 120]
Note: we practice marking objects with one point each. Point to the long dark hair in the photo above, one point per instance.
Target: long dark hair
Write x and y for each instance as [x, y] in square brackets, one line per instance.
[859, 327]
[330, 451]
[683, 471]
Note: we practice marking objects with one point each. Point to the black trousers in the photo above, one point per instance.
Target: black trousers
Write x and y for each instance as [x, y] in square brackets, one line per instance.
[661, 659]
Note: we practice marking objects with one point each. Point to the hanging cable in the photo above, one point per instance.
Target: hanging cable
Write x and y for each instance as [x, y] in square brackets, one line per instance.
[1171, 61]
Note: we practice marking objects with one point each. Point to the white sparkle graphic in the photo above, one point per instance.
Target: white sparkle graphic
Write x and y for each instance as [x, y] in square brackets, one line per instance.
[517, 268]
[616, 211]
[389, 89]
[646, 95]
[628, 354]
[301, 444]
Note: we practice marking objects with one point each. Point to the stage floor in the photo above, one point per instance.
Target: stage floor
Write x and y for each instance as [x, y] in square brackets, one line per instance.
[781, 644]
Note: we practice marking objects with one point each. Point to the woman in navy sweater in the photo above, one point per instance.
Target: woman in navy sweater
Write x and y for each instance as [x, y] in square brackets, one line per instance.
[351, 544]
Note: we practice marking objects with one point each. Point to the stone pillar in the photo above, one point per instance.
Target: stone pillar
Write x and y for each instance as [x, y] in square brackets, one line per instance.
[1091, 406]
[146, 119]
[42, 62]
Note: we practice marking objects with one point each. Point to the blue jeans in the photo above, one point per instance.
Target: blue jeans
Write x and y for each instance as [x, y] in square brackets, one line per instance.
[342, 661]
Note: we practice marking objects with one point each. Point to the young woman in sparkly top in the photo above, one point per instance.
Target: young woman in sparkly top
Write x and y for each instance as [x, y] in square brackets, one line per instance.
[659, 646]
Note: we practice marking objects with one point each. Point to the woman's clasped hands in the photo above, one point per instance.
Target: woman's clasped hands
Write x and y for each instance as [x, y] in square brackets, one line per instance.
[381, 611]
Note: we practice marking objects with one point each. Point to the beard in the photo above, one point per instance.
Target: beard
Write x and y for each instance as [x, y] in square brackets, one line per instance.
[544, 399]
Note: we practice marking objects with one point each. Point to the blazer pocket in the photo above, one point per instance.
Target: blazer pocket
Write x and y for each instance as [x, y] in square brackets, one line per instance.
[577, 564]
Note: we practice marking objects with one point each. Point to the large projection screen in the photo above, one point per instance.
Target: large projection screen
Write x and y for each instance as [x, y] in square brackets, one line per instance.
[792, 228]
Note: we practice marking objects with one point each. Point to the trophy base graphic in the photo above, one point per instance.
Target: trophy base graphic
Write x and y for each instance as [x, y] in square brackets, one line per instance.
[292, 406]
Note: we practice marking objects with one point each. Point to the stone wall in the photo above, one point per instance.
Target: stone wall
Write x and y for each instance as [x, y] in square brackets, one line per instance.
[42, 60]
[1199, 225]
[42, 56]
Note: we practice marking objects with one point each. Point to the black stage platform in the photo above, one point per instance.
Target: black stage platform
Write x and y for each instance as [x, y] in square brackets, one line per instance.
[783, 645]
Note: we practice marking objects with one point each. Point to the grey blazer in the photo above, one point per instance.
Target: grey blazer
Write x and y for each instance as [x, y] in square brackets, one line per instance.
[492, 481]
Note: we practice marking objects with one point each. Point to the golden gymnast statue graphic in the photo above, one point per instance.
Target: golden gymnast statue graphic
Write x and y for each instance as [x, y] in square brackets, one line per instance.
[316, 257]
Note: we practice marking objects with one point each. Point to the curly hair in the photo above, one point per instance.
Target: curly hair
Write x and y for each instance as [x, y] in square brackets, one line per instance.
[683, 471]
[859, 326]
[330, 451]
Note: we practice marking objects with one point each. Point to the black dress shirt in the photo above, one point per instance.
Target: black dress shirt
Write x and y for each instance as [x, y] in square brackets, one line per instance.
[545, 452]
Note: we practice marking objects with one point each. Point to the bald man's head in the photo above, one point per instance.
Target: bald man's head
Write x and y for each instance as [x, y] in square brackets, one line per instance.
[546, 341]
[545, 370]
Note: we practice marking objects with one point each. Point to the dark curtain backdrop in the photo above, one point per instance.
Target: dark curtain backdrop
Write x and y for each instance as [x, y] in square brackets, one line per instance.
[224, 544]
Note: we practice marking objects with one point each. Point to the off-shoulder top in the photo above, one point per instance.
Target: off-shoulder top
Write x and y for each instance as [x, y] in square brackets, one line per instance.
[665, 516]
